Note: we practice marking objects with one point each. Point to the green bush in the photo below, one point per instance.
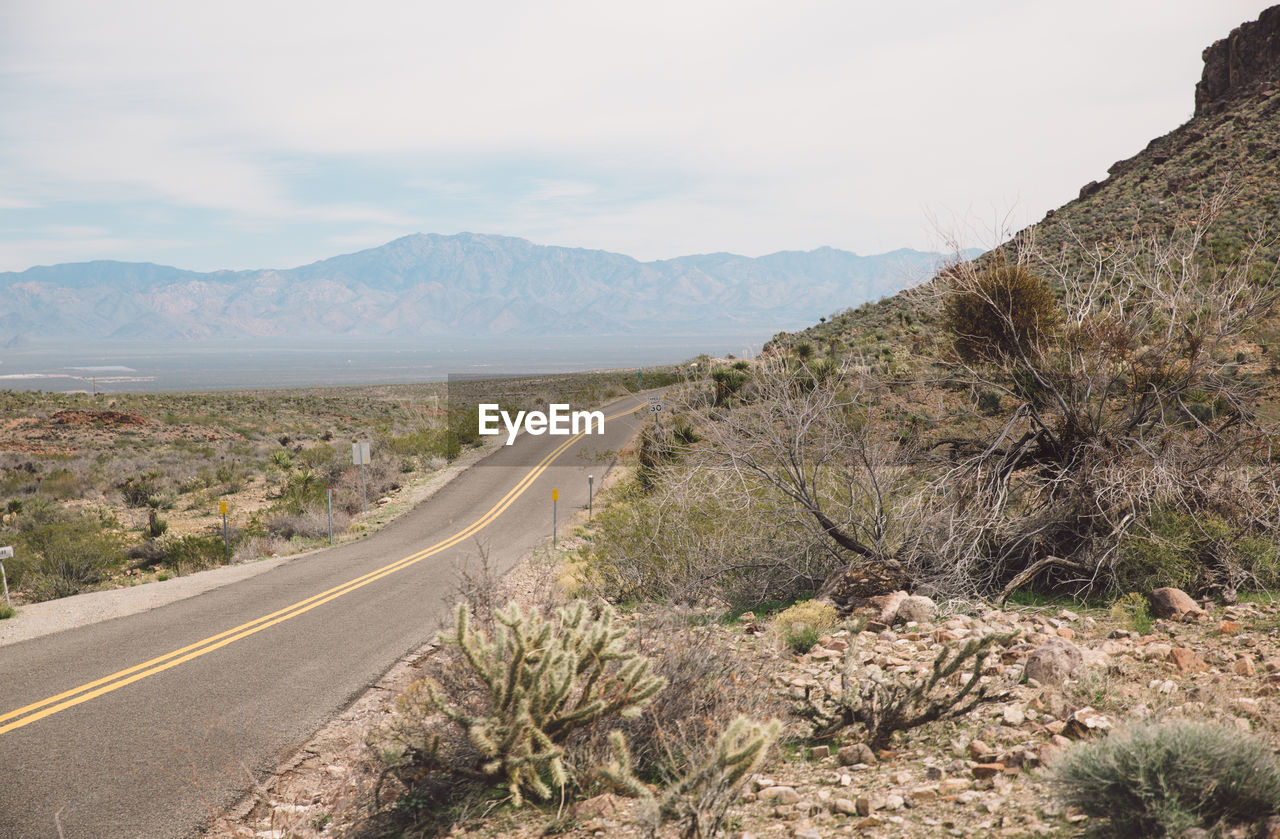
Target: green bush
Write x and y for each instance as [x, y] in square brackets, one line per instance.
[304, 490]
[802, 639]
[1162, 778]
[1133, 611]
[192, 553]
[137, 491]
[998, 310]
[6, 611]
[728, 382]
[59, 552]
[1188, 551]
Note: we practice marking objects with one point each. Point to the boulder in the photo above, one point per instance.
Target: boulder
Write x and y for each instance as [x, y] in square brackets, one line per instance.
[916, 608]
[1053, 661]
[886, 606]
[856, 753]
[1174, 603]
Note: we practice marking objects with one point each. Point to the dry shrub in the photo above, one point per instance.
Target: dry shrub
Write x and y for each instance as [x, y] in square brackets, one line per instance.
[709, 683]
[309, 524]
[258, 547]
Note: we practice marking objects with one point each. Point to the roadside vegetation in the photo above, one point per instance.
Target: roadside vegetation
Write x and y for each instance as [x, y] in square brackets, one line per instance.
[1070, 431]
[125, 488]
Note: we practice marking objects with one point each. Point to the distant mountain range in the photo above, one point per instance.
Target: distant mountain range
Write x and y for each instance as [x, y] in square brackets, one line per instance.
[440, 286]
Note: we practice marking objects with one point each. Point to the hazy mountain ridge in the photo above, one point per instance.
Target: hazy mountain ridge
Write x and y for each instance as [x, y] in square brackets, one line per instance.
[466, 284]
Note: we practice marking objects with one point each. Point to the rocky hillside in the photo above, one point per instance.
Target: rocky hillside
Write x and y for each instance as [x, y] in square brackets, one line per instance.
[1232, 143]
[441, 286]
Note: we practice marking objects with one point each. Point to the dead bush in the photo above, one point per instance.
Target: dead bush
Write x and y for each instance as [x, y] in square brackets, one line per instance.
[709, 683]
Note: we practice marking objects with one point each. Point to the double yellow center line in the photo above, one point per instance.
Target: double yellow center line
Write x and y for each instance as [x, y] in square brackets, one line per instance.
[91, 690]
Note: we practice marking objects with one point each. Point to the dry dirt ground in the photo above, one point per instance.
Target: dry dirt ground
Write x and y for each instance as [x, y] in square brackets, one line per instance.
[980, 775]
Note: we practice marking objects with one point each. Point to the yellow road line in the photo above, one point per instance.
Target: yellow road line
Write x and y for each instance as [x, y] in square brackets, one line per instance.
[121, 678]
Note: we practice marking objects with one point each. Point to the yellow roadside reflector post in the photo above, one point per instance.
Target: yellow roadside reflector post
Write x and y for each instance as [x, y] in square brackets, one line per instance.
[555, 499]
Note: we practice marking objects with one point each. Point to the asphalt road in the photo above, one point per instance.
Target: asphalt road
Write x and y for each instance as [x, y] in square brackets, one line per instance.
[152, 724]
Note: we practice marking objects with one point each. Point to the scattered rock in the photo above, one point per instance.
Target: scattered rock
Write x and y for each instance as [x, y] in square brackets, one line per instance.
[1244, 666]
[980, 751]
[987, 770]
[856, 753]
[598, 807]
[1013, 715]
[1229, 627]
[1053, 661]
[1186, 660]
[780, 795]
[1086, 722]
[1174, 603]
[819, 752]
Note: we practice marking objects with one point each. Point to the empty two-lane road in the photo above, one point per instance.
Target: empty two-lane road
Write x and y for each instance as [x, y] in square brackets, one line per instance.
[148, 725]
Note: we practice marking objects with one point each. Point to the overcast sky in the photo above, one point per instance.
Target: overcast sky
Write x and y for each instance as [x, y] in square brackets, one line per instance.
[268, 134]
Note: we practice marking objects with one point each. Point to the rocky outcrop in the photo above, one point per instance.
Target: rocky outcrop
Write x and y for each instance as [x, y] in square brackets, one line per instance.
[1246, 59]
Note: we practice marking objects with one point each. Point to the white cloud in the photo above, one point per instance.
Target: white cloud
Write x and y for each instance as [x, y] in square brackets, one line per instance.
[763, 125]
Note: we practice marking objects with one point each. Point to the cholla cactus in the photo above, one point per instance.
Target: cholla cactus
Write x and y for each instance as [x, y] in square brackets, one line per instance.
[701, 797]
[544, 679]
[883, 706]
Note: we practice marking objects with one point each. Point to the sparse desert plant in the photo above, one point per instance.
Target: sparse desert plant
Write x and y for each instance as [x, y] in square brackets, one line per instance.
[1133, 611]
[6, 611]
[307, 524]
[884, 705]
[710, 681]
[699, 799]
[1159, 779]
[800, 626]
[541, 679]
[193, 553]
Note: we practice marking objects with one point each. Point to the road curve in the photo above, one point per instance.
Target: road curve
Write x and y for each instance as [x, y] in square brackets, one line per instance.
[151, 725]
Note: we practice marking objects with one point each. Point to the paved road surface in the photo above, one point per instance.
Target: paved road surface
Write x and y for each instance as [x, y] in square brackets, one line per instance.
[151, 724]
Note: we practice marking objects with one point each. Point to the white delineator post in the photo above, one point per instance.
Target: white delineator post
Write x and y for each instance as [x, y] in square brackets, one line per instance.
[591, 480]
[360, 456]
[5, 553]
[328, 491]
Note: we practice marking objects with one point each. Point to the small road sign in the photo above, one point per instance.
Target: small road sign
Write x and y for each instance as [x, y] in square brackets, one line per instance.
[360, 454]
[222, 507]
[6, 553]
[655, 406]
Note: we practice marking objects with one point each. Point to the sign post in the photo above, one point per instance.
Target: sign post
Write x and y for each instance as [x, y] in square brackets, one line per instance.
[5, 553]
[555, 499]
[328, 491]
[226, 540]
[360, 456]
[591, 479]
